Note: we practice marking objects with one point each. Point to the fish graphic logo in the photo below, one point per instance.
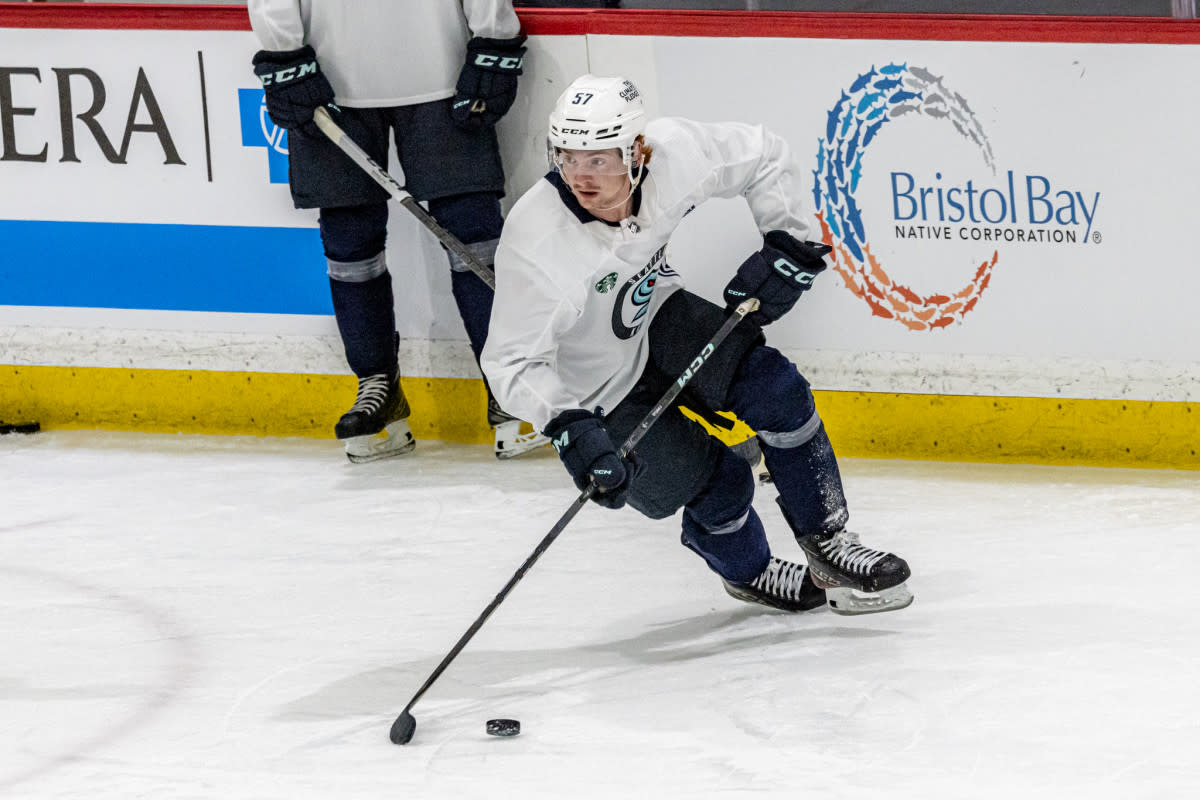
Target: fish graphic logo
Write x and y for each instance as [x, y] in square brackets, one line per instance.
[875, 99]
[632, 303]
[633, 300]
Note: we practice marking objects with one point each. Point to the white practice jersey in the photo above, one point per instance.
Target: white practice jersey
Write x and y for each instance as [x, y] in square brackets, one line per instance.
[574, 299]
[380, 53]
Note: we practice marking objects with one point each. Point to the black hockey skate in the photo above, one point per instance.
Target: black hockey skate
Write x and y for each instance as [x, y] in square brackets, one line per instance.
[857, 578]
[783, 585]
[377, 425]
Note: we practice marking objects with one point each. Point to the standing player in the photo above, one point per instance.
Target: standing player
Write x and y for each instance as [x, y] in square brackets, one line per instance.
[591, 326]
[437, 76]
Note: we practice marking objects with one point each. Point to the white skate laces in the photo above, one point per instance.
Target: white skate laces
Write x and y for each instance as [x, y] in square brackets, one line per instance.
[783, 585]
[844, 550]
[781, 578]
[372, 393]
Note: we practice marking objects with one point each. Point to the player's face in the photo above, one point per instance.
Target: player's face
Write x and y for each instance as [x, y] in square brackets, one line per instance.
[598, 179]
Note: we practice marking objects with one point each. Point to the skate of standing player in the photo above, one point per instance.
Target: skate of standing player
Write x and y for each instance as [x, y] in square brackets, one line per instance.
[591, 324]
[437, 76]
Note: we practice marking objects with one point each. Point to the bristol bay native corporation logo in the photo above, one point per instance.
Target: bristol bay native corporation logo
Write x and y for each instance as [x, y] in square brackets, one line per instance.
[941, 206]
[259, 131]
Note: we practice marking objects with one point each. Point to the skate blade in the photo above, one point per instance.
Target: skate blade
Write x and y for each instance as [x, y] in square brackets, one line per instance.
[851, 602]
[394, 440]
[510, 442]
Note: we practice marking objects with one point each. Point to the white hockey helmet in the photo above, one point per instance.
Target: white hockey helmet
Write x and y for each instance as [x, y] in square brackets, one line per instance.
[597, 113]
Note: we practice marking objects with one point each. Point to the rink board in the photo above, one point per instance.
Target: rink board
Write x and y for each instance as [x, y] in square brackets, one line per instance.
[862, 424]
[1006, 282]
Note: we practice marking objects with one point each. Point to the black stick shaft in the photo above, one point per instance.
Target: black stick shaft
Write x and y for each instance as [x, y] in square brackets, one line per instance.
[401, 195]
[542, 546]
[636, 436]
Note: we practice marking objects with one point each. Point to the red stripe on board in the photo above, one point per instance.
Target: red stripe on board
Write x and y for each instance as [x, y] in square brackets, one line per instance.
[124, 16]
[812, 25]
[649, 22]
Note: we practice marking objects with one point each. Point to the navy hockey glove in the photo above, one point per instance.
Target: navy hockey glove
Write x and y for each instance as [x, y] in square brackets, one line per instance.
[777, 275]
[588, 453]
[487, 85]
[295, 87]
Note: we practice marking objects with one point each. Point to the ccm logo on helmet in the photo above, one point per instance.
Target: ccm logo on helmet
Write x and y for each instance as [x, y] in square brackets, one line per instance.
[576, 131]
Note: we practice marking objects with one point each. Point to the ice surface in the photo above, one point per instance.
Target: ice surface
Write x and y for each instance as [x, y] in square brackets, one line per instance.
[232, 617]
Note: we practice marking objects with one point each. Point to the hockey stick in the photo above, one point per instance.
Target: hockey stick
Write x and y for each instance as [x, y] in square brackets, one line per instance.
[405, 724]
[400, 195]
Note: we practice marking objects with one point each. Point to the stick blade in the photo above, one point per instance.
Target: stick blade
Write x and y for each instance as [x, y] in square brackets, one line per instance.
[403, 728]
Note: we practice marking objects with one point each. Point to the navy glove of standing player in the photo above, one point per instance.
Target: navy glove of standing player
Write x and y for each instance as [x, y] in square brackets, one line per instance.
[487, 85]
[588, 453]
[295, 87]
[777, 275]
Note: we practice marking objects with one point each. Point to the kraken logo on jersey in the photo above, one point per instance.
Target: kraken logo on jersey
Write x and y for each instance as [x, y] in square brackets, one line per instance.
[633, 301]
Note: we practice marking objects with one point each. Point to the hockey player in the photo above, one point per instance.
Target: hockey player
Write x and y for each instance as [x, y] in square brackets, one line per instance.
[437, 76]
[591, 325]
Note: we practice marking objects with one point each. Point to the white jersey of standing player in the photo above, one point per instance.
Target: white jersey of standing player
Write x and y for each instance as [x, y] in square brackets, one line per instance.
[574, 300]
[384, 53]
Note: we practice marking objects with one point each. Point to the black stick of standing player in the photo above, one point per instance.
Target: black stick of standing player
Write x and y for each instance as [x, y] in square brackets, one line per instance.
[405, 724]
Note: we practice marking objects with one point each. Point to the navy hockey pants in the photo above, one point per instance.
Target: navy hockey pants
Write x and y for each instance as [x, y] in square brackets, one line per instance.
[770, 395]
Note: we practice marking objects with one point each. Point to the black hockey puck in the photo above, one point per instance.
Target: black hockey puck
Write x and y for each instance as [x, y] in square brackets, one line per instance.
[20, 427]
[503, 727]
